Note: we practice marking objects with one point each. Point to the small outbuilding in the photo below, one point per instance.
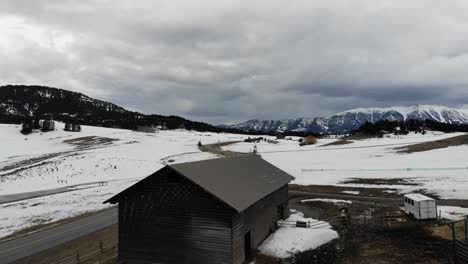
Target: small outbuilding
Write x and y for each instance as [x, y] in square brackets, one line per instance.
[48, 125]
[72, 127]
[212, 211]
[420, 206]
[27, 125]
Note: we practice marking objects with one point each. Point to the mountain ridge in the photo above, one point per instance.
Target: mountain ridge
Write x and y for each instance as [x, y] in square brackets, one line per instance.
[19, 101]
[347, 121]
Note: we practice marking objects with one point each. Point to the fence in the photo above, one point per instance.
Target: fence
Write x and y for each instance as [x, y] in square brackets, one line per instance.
[95, 254]
[339, 219]
[390, 219]
[460, 246]
[461, 251]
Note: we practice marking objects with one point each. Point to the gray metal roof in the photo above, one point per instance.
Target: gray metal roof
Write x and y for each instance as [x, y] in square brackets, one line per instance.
[238, 181]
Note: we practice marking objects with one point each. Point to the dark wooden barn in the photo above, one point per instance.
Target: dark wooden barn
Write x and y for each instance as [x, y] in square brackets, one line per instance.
[212, 211]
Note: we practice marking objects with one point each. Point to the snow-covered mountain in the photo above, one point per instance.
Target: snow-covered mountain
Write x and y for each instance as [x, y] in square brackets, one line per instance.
[347, 121]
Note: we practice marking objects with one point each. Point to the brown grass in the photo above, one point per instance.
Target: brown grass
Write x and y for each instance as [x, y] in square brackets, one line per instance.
[89, 141]
[338, 190]
[338, 143]
[438, 144]
[445, 232]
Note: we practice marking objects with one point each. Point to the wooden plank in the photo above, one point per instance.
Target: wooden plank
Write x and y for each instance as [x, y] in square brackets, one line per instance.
[174, 221]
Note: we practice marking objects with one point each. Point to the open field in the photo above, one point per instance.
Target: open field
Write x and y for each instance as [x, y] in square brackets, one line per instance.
[359, 170]
[88, 167]
[374, 163]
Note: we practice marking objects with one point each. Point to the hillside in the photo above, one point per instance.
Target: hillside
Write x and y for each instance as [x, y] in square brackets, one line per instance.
[17, 101]
[345, 122]
[74, 163]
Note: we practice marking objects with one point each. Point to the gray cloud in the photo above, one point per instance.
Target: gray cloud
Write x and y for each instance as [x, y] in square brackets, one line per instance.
[224, 61]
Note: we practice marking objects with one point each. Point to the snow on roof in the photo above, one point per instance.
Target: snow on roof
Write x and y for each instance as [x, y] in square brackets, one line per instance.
[418, 197]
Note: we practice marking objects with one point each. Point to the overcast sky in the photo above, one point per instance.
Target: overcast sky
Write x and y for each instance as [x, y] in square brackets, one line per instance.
[227, 61]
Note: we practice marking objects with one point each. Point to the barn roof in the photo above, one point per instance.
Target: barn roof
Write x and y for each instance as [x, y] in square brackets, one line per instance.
[238, 181]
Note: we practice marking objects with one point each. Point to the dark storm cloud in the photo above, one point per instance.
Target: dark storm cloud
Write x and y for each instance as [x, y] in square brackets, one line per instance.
[222, 61]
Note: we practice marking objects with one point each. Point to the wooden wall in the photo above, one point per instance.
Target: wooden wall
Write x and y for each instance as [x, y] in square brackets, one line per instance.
[260, 219]
[171, 220]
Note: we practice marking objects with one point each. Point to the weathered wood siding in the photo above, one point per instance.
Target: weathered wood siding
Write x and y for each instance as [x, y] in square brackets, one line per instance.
[260, 219]
[171, 220]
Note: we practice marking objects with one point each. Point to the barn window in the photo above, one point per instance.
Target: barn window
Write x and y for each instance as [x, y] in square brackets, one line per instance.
[412, 202]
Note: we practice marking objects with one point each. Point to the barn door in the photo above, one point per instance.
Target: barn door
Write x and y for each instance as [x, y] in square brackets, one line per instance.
[247, 244]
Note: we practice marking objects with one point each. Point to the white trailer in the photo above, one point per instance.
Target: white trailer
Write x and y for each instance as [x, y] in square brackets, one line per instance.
[420, 206]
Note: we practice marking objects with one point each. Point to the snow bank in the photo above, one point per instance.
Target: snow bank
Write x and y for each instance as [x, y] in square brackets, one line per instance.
[335, 201]
[287, 241]
[453, 212]
[352, 192]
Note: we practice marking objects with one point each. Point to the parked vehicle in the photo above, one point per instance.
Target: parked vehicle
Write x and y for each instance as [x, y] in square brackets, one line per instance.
[420, 206]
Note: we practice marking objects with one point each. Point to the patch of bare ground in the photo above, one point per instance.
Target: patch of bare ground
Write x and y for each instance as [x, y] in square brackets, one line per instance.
[380, 181]
[338, 143]
[330, 189]
[88, 245]
[368, 240]
[217, 149]
[438, 144]
[89, 141]
[31, 161]
[40, 225]
[444, 231]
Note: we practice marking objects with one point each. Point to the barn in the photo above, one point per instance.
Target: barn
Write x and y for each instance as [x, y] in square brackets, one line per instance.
[72, 127]
[212, 211]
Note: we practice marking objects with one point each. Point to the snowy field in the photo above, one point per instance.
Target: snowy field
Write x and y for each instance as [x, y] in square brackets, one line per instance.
[443, 171]
[59, 159]
[77, 161]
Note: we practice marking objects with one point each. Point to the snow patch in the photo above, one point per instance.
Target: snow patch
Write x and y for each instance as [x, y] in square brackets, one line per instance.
[352, 192]
[287, 241]
[335, 201]
[454, 213]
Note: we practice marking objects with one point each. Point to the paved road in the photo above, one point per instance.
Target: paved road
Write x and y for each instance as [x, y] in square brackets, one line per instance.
[30, 244]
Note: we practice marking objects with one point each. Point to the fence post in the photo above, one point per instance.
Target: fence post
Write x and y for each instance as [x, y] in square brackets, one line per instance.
[466, 228]
[77, 257]
[100, 247]
[454, 242]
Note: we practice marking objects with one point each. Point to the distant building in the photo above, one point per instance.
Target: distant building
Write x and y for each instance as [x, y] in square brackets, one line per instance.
[27, 125]
[147, 129]
[212, 211]
[72, 127]
[48, 125]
